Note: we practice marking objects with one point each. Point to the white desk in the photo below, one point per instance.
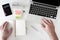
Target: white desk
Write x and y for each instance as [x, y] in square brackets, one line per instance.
[31, 33]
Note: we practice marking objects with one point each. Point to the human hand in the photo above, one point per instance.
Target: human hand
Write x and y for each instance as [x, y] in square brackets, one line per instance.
[48, 26]
[6, 32]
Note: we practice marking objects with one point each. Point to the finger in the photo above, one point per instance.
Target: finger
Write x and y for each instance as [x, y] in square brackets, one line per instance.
[10, 31]
[43, 26]
[51, 22]
[42, 22]
[46, 21]
[2, 26]
[5, 25]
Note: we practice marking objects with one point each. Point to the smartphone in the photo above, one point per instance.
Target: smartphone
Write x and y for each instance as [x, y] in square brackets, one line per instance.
[7, 9]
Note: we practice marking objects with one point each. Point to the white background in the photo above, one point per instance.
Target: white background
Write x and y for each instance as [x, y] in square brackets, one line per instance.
[31, 33]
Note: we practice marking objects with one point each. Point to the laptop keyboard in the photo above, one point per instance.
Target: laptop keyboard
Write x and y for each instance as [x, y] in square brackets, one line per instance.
[43, 11]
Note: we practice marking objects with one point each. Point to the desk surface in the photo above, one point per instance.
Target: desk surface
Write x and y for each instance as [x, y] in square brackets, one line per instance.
[31, 33]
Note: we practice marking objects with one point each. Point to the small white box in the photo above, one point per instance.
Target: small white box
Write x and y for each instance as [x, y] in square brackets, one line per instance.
[20, 27]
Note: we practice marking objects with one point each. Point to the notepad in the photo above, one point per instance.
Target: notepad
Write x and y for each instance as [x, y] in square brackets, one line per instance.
[20, 27]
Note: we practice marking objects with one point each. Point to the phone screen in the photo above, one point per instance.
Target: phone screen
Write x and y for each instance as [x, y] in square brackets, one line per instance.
[7, 9]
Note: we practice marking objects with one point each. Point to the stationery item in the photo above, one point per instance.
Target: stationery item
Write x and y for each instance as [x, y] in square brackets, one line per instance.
[20, 27]
[18, 14]
[7, 9]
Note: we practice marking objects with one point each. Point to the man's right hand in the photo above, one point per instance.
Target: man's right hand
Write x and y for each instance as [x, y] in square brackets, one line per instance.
[48, 26]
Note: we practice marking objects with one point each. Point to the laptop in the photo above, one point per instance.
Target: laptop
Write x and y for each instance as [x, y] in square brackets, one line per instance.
[42, 8]
[46, 8]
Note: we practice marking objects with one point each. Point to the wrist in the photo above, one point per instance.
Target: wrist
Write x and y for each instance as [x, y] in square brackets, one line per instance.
[53, 36]
[4, 38]
[51, 33]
